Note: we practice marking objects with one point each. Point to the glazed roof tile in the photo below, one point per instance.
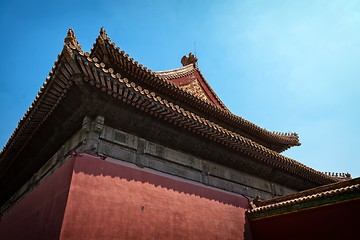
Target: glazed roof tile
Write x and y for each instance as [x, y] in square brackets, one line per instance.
[176, 73]
[161, 79]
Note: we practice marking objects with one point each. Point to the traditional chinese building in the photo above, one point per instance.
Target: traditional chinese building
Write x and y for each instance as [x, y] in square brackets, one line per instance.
[112, 150]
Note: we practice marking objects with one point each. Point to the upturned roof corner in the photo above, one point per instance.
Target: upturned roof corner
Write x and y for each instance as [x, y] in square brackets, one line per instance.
[71, 41]
[103, 36]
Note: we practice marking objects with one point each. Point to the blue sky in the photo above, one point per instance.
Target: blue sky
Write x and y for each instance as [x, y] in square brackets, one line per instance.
[288, 66]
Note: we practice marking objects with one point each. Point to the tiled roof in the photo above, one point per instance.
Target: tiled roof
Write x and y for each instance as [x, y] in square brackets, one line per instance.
[176, 73]
[277, 141]
[73, 63]
[316, 197]
[189, 78]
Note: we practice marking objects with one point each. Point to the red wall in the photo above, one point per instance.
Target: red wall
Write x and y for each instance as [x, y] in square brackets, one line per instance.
[40, 213]
[113, 201]
[91, 198]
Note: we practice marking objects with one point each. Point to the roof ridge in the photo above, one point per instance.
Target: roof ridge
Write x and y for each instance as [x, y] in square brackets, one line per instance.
[103, 38]
[190, 66]
[71, 41]
[154, 75]
[211, 90]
